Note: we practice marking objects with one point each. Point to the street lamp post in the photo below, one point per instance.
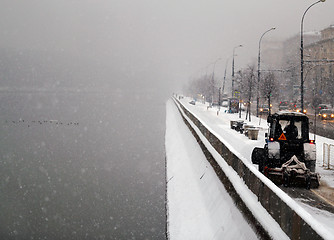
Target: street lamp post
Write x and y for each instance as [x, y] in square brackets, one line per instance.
[249, 99]
[225, 74]
[302, 56]
[233, 69]
[212, 79]
[258, 72]
[206, 77]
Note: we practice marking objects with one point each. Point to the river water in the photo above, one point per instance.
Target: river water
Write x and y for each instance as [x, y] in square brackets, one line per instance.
[82, 165]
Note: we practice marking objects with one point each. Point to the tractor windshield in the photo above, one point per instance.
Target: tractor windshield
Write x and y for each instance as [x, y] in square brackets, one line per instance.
[292, 129]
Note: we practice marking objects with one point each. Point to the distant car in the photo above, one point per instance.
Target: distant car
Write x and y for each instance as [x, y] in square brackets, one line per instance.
[192, 102]
[225, 103]
[323, 106]
[284, 105]
[215, 103]
[298, 108]
[264, 109]
[326, 114]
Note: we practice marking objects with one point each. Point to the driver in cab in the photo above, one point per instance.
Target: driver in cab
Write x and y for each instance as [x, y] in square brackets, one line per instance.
[291, 131]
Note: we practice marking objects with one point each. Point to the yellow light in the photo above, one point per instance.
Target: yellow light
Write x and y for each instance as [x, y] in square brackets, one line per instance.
[332, 115]
[324, 115]
[305, 111]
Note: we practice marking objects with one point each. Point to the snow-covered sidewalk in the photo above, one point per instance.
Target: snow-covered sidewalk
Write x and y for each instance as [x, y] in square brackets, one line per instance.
[198, 205]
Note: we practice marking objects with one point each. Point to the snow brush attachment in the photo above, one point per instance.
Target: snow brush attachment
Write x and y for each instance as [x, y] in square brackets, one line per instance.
[293, 175]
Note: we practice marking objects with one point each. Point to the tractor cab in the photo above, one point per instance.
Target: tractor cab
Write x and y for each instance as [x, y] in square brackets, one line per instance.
[288, 127]
[287, 141]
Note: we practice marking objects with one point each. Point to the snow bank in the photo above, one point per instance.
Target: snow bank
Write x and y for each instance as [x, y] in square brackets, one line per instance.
[198, 205]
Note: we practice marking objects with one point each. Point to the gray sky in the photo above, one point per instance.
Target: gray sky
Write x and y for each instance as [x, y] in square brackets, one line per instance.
[153, 41]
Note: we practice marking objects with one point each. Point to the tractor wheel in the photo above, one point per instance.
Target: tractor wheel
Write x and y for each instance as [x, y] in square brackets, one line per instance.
[286, 180]
[308, 181]
[259, 157]
[310, 165]
[261, 165]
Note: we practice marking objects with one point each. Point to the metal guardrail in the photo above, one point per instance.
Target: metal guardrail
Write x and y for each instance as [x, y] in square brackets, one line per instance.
[328, 156]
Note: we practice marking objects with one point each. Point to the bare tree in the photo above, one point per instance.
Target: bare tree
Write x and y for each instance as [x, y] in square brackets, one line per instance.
[247, 86]
[205, 85]
[269, 87]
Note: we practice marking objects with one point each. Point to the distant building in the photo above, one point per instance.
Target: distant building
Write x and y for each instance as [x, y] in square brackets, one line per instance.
[283, 58]
[291, 63]
[319, 60]
[271, 55]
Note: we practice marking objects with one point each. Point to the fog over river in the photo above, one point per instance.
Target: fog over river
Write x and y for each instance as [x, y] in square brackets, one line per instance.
[82, 165]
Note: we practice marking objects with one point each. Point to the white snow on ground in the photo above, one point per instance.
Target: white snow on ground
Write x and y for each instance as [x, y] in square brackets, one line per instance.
[219, 124]
[198, 205]
[321, 215]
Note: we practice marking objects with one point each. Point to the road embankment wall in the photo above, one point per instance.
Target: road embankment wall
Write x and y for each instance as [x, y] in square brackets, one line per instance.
[290, 221]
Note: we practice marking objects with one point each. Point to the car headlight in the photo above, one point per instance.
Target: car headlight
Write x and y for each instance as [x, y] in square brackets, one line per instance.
[332, 115]
[261, 109]
[324, 115]
[305, 111]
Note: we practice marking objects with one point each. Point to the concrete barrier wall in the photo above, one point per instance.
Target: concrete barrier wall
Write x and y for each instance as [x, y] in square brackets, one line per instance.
[291, 223]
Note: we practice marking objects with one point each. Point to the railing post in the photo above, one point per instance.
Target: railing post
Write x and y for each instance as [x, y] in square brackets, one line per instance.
[329, 153]
[323, 153]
